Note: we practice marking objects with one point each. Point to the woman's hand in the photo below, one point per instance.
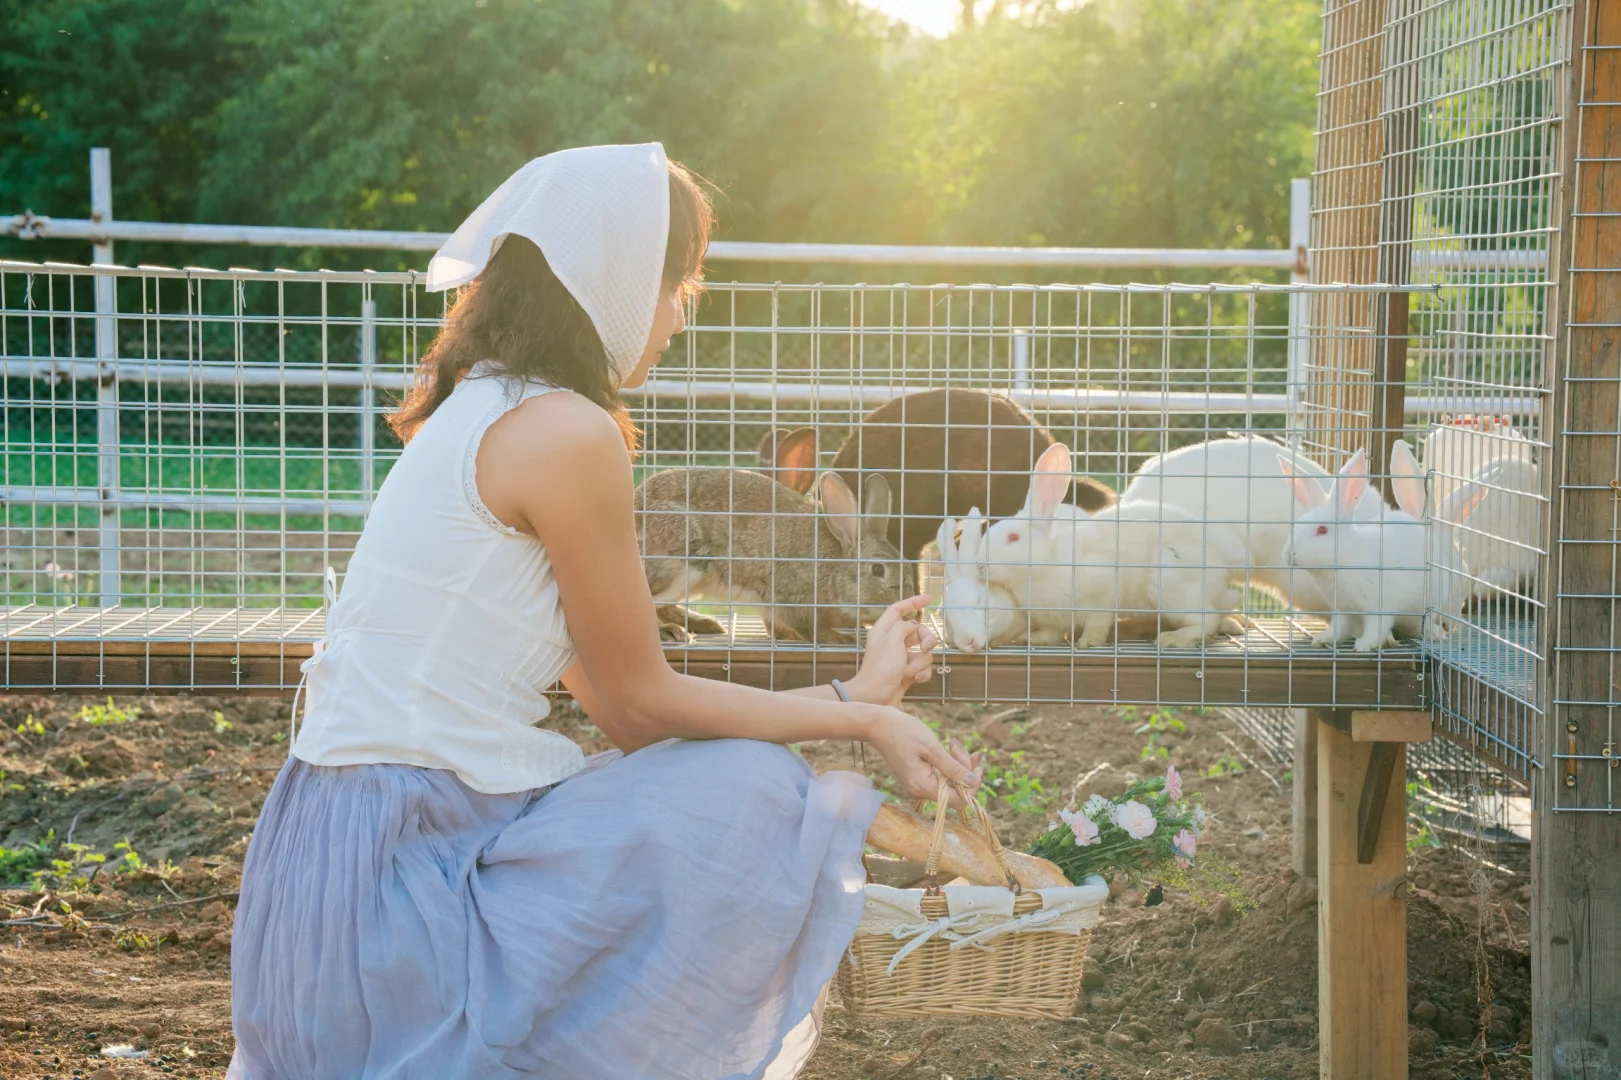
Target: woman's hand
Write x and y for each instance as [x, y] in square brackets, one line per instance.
[917, 759]
[889, 667]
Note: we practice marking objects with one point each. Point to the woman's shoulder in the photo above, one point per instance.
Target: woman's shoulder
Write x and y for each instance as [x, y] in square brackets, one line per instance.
[556, 426]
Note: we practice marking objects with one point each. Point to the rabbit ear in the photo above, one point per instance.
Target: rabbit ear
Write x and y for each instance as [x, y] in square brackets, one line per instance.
[790, 456]
[1463, 503]
[973, 536]
[1406, 479]
[1050, 481]
[944, 542]
[839, 510]
[1351, 484]
[1308, 492]
[875, 506]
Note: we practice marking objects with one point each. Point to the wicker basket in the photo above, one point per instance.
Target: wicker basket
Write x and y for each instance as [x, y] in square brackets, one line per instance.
[970, 950]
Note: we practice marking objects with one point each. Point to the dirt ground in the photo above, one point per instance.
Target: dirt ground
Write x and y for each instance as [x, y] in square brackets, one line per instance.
[133, 951]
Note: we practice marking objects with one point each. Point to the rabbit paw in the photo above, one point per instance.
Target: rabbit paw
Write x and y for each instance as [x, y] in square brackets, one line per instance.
[1372, 643]
[1326, 638]
[1232, 624]
[1182, 637]
[673, 633]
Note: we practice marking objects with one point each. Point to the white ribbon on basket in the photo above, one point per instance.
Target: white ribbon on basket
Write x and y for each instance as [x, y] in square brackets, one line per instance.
[945, 927]
[1039, 917]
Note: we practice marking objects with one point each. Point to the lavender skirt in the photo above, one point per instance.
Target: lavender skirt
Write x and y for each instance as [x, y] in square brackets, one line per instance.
[671, 913]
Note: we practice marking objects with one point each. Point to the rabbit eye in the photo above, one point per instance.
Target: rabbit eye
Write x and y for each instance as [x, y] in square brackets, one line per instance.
[879, 570]
[1322, 530]
[1013, 538]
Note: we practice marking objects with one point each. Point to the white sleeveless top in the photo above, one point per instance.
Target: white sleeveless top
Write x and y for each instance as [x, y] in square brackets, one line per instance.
[448, 628]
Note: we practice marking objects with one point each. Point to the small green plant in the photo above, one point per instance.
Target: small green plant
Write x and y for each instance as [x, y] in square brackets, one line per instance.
[221, 725]
[1161, 724]
[1420, 834]
[1225, 765]
[130, 862]
[30, 726]
[130, 940]
[1023, 793]
[279, 736]
[8, 786]
[103, 715]
[17, 865]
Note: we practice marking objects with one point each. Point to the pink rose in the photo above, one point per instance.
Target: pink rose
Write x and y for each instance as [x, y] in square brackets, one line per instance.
[1136, 819]
[1173, 782]
[1084, 828]
[1186, 844]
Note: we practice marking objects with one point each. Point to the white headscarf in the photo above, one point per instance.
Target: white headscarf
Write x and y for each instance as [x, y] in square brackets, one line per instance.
[601, 216]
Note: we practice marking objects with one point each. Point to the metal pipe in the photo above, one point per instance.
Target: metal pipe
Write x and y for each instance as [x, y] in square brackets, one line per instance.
[37, 227]
[32, 227]
[1299, 307]
[160, 500]
[107, 457]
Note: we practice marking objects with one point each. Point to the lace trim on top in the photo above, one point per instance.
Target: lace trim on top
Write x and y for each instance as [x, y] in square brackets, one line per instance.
[514, 392]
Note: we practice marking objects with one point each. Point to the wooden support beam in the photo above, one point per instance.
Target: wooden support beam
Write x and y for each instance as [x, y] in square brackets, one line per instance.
[1370, 813]
[1576, 824]
[1392, 725]
[1361, 912]
[1303, 797]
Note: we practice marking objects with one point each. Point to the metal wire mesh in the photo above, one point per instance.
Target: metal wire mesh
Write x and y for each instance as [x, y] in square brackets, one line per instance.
[214, 436]
[1586, 676]
[1438, 161]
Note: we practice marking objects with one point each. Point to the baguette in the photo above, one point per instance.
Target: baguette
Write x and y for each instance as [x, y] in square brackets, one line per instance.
[964, 853]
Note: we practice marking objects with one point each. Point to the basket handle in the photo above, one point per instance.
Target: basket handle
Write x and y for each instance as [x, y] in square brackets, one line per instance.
[937, 840]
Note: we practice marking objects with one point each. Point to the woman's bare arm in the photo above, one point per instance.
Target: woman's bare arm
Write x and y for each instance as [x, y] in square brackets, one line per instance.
[555, 467]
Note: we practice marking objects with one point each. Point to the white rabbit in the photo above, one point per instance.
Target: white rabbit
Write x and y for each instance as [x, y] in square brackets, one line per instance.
[1378, 572]
[977, 612]
[1077, 575]
[1020, 568]
[1240, 484]
[1461, 446]
[1503, 534]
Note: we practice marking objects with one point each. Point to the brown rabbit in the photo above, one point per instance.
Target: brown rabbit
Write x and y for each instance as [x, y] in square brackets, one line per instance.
[732, 534]
[945, 451]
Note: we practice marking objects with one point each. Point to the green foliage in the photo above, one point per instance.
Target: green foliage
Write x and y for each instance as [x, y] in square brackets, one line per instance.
[17, 865]
[1420, 832]
[1021, 792]
[1225, 765]
[1141, 122]
[30, 726]
[221, 725]
[1160, 725]
[69, 868]
[103, 715]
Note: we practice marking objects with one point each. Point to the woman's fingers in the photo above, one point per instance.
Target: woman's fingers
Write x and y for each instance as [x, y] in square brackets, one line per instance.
[898, 612]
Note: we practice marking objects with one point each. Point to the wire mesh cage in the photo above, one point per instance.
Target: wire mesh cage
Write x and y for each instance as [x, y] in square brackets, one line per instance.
[811, 453]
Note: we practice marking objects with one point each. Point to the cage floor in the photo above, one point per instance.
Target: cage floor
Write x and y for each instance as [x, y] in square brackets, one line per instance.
[258, 650]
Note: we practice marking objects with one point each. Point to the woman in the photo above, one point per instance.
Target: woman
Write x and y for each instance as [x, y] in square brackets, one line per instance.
[439, 889]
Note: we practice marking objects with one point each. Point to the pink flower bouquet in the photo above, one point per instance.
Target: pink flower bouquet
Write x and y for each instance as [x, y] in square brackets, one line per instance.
[1149, 830]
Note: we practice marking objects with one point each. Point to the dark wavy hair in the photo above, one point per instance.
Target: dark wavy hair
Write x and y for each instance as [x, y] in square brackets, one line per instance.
[520, 316]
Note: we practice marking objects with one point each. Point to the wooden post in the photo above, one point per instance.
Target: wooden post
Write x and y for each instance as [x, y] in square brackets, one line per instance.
[1361, 908]
[1576, 831]
[1303, 805]
[1399, 147]
[1347, 194]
